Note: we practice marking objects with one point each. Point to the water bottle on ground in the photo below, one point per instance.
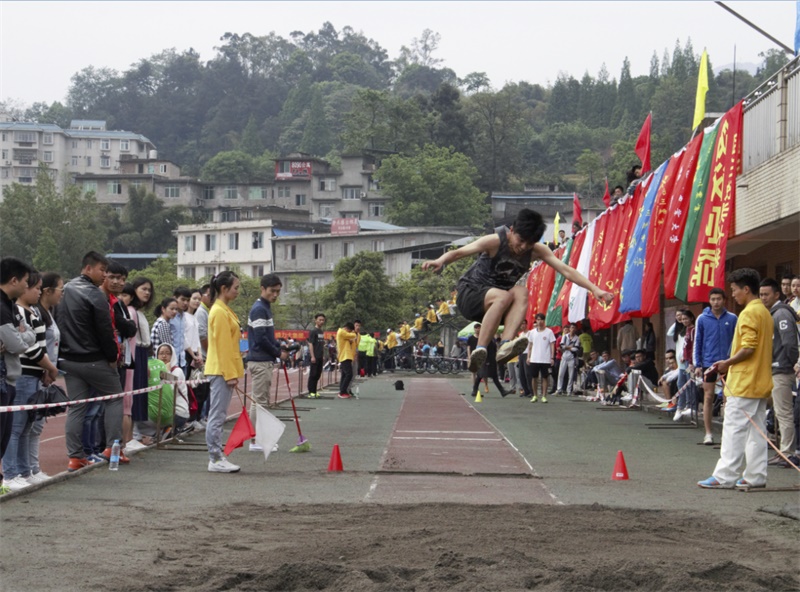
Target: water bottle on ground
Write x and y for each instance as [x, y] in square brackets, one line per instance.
[113, 464]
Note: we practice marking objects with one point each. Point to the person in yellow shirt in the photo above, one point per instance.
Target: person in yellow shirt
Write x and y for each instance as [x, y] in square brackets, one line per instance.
[417, 326]
[405, 331]
[391, 347]
[346, 343]
[224, 365]
[430, 317]
[749, 385]
[443, 309]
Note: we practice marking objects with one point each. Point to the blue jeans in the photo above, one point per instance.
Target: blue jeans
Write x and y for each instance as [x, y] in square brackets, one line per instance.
[16, 460]
[91, 427]
[688, 398]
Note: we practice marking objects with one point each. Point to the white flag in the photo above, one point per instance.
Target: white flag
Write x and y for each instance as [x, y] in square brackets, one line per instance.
[269, 430]
[577, 295]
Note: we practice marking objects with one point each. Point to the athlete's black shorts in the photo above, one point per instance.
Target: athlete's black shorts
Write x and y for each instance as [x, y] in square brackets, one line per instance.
[470, 300]
[538, 370]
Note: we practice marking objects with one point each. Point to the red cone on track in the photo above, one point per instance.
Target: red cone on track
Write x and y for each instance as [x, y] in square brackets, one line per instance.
[336, 460]
[620, 470]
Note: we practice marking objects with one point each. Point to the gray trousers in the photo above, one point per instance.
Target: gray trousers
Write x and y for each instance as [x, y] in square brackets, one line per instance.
[104, 379]
[218, 404]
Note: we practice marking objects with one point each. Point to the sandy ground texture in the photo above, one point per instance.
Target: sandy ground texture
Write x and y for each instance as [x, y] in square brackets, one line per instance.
[163, 523]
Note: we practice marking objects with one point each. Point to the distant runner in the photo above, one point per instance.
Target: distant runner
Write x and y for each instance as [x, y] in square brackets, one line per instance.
[488, 293]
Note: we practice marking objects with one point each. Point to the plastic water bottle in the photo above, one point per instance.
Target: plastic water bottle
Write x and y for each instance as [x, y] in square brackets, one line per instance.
[113, 464]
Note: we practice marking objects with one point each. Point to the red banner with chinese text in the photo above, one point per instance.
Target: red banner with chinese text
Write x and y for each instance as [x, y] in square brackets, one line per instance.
[297, 335]
[677, 213]
[563, 296]
[708, 263]
[654, 255]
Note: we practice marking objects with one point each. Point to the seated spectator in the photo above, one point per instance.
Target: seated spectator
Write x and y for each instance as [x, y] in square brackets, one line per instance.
[644, 365]
[611, 370]
[166, 353]
[669, 381]
[590, 381]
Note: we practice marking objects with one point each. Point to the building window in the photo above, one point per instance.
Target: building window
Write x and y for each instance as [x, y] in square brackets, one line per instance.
[136, 184]
[373, 185]
[190, 243]
[327, 184]
[47, 156]
[27, 137]
[285, 166]
[4, 154]
[114, 188]
[284, 191]
[47, 139]
[211, 242]
[208, 192]
[74, 161]
[230, 192]
[104, 144]
[326, 210]
[209, 271]
[4, 173]
[233, 241]
[356, 215]
[125, 146]
[90, 187]
[88, 143]
[376, 209]
[256, 271]
[105, 162]
[162, 168]
[291, 252]
[378, 245]
[318, 283]
[74, 143]
[258, 240]
[189, 272]
[230, 216]
[350, 193]
[348, 249]
[258, 193]
[317, 250]
[172, 191]
[88, 161]
[300, 199]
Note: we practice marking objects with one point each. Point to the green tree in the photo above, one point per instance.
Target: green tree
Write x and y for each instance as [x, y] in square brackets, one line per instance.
[360, 290]
[300, 302]
[251, 142]
[231, 166]
[432, 188]
[316, 136]
[146, 225]
[590, 166]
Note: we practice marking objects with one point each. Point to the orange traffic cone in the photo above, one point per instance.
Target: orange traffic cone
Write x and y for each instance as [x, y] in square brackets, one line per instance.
[620, 470]
[336, 460]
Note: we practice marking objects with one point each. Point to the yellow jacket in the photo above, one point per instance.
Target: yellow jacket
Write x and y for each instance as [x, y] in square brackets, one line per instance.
[405, 332]
[752, 379]
[444, 309]
[391, 340]
[224, 358]
[418, 323]
[431, 316]
[346, 344]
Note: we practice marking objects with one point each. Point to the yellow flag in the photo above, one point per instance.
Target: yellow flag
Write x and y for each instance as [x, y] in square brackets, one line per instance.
[702, 88]
[555, 227]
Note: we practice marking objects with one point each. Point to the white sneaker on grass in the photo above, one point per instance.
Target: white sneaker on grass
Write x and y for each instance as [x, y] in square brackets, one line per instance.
[222, 465]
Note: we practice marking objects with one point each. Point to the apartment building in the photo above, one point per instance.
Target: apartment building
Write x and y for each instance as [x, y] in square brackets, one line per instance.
[87, 147]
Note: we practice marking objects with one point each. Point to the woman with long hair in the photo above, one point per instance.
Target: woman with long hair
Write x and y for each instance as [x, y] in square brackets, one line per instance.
[162, 331]
[687, 398]
[141, 301]
[224, 365]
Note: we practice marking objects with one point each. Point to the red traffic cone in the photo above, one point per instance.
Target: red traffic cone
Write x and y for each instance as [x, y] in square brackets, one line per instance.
[336, 460]
[620, 470]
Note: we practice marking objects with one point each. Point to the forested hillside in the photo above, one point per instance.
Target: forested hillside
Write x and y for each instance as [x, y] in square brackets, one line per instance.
[334, 91]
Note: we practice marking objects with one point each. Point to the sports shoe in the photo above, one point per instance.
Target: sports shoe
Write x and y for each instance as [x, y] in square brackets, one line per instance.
[275, 448]
[744, 484]
[39, 477]
[222, 465]
[96, 458]
[774, 460]
[708, 440]
[313, 395]
[785, 465]
[544, 399]
[75, 464]
[504, 394]
[256, 447]
[134, 445]
[511, 349]
[687, 412]
[559, 393]
[106, 455]
[534, 398]
[344, 395]
[712, 483]
[678, 414]
[477, 359]
[16, 483]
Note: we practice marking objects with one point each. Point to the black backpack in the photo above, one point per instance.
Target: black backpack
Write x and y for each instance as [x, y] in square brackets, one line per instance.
[45, 395]
[398, 385]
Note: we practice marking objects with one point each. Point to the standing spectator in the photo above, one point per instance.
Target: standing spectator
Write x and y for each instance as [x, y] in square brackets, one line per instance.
[749, 386]
[224, 365]
[541, 354]
[37, 370]
[143, 428]
[16, 338]
[795, 301]
[687, 399]
[784, 356]
[648, 340]
[162, 331]
[346, 348]
[712, 341]
[316, 345]
[52, 288]
[587, 343]
[203, 391]
[191, 334]
[523, 369]
[89, 355]
[627, 337]
[264, 349]
[570, 349]
[182, 295]
[786, 288]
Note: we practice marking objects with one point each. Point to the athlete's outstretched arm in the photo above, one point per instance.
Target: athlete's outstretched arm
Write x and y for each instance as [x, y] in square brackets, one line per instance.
[486, 244]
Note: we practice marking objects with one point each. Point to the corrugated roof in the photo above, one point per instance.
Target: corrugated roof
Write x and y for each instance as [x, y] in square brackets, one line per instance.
[376, 225]
[285, 232]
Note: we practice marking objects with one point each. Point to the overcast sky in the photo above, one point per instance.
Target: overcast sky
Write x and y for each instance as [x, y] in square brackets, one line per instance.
[45, 43]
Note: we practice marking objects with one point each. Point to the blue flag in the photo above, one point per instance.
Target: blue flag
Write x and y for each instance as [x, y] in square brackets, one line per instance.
[797, 31]
[631, 293]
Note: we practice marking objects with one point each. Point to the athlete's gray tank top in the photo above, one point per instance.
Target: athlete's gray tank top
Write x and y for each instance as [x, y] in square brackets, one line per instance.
[501, 271]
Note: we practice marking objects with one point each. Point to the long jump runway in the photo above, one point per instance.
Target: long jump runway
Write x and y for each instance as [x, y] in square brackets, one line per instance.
[442, 449]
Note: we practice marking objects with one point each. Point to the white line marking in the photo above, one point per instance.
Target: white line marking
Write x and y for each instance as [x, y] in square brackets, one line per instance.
[372, 489]
[50, 439]
[440, 432]
[452, 439]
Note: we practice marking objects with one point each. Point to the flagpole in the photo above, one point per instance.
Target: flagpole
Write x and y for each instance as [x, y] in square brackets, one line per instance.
[784, 47]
